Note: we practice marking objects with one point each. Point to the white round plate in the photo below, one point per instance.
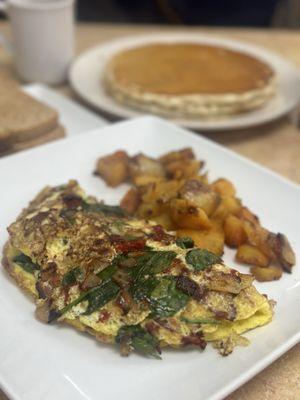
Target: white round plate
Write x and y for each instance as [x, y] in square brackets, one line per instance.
[87, 70]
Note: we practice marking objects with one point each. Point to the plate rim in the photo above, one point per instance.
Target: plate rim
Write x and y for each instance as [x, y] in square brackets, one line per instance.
[214, 126]
[265, 361]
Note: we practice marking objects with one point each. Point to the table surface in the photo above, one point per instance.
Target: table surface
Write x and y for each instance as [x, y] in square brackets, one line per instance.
[275, 145]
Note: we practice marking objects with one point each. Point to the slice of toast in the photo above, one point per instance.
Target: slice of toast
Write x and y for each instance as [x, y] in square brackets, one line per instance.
[23, 118]
[57, 133]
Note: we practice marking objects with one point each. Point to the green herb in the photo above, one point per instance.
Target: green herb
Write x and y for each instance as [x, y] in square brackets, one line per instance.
[152, 262]
[185, 242]
[142, 288]
[129, 237]
[137, 338]
[161, 293]
[54, 314]
[100, 295]
[200, 259]
[97, 297]
[25, 262]
[108, 272]
[166, 300]
[71, 277]
[103, 208]
[200, 321]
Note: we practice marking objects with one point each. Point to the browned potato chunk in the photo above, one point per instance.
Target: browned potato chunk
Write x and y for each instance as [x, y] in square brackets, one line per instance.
[144, 180]
[251, 255]
[228, 205]
[179, 155]
[266, 274]
[183, 169]
[113, 168]
[211, 239]
[185, 215]
[224, 187]
[283, 250]
[245, 214]
[141, 165]
[200, 195]
[131, 201]
[235, 234]
[160, 193]
[148, 210]
[165, 221]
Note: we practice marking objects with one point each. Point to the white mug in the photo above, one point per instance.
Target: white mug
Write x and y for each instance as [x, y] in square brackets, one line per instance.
[43, 38]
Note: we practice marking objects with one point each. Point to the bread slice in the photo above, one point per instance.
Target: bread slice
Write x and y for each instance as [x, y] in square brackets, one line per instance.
[23, 118]
[57, 133]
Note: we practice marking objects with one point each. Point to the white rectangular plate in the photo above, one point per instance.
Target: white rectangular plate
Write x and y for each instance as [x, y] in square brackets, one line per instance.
[75, 118]
[45, 362]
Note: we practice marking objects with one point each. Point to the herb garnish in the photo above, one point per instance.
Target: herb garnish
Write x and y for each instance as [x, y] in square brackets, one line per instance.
[137, 338]
[151, 263]
[97, 297]
[185, 242]
[71, 277]
[103, 208]
[166, 300]
[26, 263]
[108, 272]
[200, 259]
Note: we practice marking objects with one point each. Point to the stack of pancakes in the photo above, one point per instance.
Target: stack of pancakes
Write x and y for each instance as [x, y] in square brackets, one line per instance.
[25, 122]
[188, 79]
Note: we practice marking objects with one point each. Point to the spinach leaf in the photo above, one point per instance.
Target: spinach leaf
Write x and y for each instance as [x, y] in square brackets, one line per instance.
[137, 338]
[200, 259]
[200, 321]
[25, 262]
[166, 300]
[103, 208]
[54, 314]
[185, 242]
[100, 295]
[142, 288]
[97, 297]
[151, 263]
[71, 277]
[108, 272]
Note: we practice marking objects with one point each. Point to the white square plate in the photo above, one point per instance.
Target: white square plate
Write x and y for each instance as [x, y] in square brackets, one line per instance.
[46, 362]
[75, 118]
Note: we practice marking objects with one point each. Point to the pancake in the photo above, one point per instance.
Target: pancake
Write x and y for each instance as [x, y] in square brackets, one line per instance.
[124, 280]
[189, 79]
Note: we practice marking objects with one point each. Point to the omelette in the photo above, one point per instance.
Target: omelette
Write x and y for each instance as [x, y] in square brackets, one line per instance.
[127, 281]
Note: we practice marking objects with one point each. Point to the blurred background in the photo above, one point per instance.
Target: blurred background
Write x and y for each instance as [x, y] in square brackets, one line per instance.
[257, 13]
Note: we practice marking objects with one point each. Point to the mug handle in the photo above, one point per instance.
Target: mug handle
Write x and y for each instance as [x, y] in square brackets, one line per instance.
[3, 40]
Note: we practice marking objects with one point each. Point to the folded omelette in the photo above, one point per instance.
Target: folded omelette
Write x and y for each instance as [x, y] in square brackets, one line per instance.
[127, 281]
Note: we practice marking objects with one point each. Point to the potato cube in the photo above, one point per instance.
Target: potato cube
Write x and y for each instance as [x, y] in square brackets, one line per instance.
[252, 255]
[266, 274]
[235, 234]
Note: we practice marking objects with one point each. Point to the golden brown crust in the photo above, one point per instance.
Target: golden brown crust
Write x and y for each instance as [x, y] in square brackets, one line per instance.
[9, 267]
[223, 71]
